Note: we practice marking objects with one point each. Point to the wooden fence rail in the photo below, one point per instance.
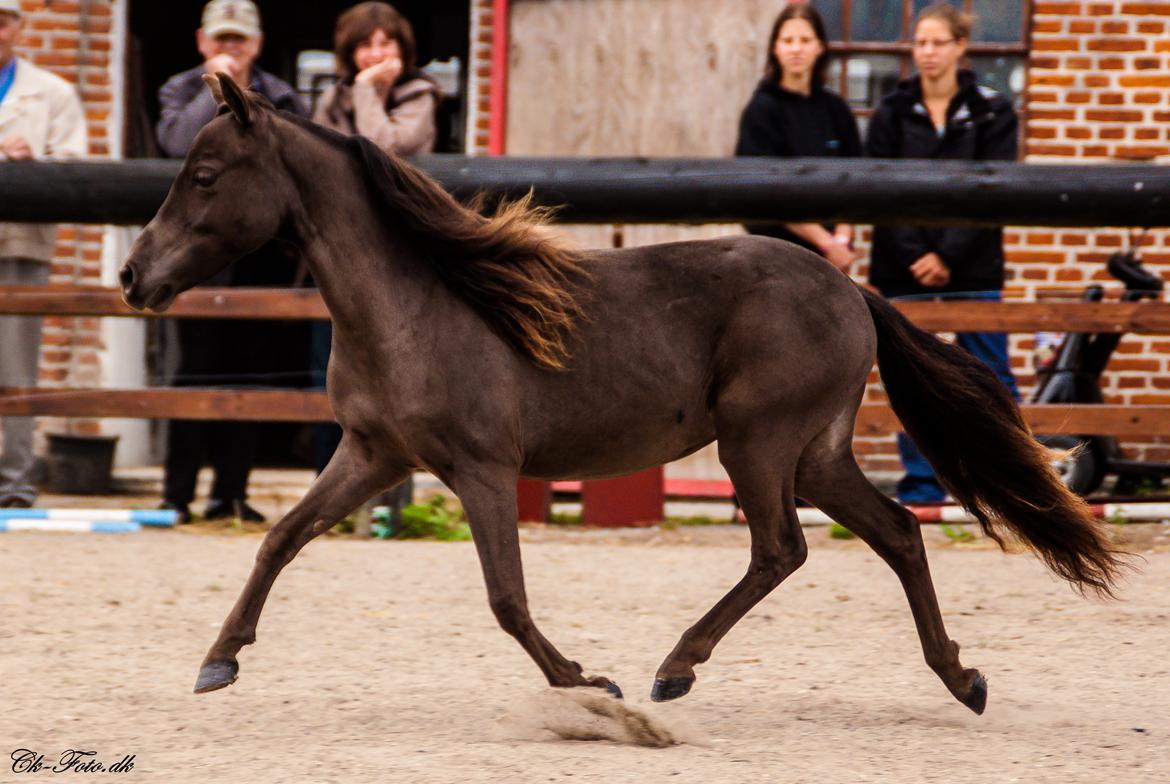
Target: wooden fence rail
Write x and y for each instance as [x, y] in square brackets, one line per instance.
[244, 303]
[310, 405]
[281, 405]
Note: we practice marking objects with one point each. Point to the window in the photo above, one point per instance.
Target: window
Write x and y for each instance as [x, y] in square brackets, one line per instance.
[871, 45]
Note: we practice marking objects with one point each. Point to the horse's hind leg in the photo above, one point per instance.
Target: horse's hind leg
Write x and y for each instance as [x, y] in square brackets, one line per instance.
[762, 475]
[348, 481]
[489, 498]
[828, 477]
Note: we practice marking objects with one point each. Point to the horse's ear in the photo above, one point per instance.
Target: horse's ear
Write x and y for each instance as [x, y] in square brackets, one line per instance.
[240, 105]
[213, 85]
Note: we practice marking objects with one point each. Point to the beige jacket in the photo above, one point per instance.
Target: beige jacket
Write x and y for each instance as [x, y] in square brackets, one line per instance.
[45, 110]
[407, 128]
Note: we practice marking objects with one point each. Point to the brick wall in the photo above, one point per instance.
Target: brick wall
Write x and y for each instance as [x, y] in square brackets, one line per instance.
[479, 71]
[75, 41]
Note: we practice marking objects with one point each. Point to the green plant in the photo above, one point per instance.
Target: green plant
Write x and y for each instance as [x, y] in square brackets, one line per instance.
[437, 520]
[564, 518]
[838, 531]
[956, 533]
[1116, 518]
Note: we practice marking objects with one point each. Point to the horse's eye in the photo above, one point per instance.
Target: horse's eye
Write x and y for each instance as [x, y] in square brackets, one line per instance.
[204, 177]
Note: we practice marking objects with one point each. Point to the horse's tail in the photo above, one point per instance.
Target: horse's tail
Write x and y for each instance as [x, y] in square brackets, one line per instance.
[967, 425]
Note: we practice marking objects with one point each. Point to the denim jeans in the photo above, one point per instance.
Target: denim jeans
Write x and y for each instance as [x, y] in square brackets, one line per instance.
[919, 484]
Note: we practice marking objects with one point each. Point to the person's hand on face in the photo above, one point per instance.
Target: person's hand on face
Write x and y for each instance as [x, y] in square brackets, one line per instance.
[230, 53]
[16, 148]
[378, 60]
[930, 271]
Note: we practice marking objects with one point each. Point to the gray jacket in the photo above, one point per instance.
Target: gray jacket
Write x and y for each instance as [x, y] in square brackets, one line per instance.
[187, 106]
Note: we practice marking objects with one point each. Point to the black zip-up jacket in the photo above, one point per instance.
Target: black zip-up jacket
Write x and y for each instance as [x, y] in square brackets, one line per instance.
[981, 126]
[784, 124]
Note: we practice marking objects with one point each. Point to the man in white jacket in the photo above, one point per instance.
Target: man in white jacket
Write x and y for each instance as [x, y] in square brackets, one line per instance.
[40, 118]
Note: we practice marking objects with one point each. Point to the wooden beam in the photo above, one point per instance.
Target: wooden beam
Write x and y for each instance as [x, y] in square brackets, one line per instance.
[280, 405]
[679, 190]
[1150, 317]
[198, 303]
[877, 419]
[265, 405]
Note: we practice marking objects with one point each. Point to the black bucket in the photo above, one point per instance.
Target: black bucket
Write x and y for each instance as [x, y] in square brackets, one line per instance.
[80, 465]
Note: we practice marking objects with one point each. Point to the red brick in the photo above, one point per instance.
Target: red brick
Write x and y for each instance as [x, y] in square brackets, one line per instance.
[1101, 9]
[1147, 98]
[1117, 45]
[1078, 98]
[1112, 64]
[1049, 26]
[1041, 132]
[1113, 115]
[1151, 28]
[1145, 80]
[1147, 63]
[1146, 9]
[1037, 97]
[1017, 256]
[1111, 133]
[1142, 153]
[1078, 133]
[1051, 63]
[1096, 80]
[1110, 99]
[1147, 134]
[1057, 45]
[1082, 26]
[1057, 9]
[1064, 150]
[1134, 364]
[1115, 27]
[1056, 80]
[1041, 238]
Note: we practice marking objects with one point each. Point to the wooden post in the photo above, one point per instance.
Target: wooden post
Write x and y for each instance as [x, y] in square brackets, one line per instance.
[637, 499]
[533, 499]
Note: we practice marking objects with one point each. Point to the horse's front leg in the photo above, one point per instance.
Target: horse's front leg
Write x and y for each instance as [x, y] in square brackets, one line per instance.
[347, 482]
[490, 503]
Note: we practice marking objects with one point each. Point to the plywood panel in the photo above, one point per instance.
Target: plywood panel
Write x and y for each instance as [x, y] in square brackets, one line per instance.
[634, 77]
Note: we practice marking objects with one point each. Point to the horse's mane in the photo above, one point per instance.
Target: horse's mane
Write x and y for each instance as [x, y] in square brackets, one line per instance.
[519, 278]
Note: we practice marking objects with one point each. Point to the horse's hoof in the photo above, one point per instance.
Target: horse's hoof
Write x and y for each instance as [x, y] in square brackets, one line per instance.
[670, 688]
[976, 698]
[216, 675]
[614, 690]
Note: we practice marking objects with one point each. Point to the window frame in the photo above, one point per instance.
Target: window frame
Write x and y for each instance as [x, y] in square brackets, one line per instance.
[841, 50]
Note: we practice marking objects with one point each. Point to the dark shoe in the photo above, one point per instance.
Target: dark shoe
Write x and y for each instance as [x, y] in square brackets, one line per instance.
[182, 511]
[15, 502]
[221, 510]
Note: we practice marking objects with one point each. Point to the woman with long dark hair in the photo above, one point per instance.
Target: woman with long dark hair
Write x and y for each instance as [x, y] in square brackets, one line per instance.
[792, 114]
[942, 112]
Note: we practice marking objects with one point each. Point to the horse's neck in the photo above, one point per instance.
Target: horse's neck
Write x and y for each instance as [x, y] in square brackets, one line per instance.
[365, 269]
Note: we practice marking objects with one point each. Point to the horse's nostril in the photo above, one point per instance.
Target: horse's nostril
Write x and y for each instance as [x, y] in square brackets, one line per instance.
[126, 276]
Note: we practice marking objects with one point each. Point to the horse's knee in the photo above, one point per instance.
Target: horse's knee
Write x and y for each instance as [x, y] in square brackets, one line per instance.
[511, 613]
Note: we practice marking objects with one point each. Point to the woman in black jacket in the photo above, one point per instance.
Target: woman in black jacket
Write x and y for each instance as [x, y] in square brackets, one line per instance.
[942, 113]
[791, 114]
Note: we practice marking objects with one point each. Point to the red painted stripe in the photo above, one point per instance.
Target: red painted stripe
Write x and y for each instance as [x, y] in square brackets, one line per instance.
[498, 95]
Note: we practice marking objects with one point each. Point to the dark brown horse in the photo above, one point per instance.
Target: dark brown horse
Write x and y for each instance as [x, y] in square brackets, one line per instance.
[483, 350]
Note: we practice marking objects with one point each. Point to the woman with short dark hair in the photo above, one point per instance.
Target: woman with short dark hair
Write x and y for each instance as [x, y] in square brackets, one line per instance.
[791, 114]
[380, 93]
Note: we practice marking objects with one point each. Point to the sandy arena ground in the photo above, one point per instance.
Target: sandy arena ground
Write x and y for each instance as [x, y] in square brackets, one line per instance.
[380, 661]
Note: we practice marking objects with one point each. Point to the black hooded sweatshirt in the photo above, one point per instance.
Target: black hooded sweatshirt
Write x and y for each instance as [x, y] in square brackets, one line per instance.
[783, 124]
[981, 126]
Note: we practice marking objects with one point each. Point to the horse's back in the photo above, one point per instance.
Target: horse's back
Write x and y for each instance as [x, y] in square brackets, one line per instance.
[672, 329]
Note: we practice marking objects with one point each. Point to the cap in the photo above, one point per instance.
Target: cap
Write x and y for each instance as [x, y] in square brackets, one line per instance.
[10, 7]
[230, 16]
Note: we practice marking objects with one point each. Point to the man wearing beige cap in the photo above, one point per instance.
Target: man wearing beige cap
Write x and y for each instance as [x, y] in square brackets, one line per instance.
[40, 118]
[229, 41]
[237, 353]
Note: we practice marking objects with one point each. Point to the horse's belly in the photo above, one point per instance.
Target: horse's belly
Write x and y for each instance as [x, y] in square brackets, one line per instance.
[597, 450]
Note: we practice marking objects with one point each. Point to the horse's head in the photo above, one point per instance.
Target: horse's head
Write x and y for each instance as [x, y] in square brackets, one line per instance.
[230, 197]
